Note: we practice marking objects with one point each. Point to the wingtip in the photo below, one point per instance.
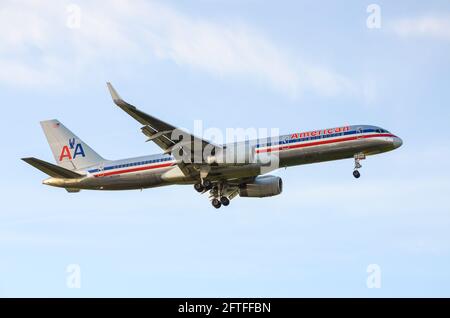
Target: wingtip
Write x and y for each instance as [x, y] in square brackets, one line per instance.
[28, 159]
[49, 121]
[115, 96]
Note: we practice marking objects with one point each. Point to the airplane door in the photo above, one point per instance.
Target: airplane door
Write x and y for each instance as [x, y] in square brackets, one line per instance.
[101, 170]
[359, 132]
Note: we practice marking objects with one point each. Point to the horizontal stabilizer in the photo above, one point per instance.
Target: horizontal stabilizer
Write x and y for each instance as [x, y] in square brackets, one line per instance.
[51, 169]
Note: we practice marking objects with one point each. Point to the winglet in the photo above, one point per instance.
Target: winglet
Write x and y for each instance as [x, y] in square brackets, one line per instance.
[115, 96]
[119, 101]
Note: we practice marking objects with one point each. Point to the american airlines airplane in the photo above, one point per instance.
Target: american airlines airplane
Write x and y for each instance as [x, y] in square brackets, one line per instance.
[224, 171]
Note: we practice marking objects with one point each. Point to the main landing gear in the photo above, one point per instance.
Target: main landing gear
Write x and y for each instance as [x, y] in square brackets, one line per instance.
[202, 187]
[199, 187]
[218, 193]
[218, 203]
[358, 157]
[225, 201]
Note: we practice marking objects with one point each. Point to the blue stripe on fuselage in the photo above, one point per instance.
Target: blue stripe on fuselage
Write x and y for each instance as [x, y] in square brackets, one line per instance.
[131, 164]
[285, 139]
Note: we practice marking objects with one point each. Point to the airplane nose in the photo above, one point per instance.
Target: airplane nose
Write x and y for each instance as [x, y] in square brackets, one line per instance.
[397, 142]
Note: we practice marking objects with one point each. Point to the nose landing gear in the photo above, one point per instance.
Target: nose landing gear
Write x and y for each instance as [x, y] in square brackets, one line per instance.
[358, 157]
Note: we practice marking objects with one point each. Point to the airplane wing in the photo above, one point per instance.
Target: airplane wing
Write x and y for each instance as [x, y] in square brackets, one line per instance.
[165, 135]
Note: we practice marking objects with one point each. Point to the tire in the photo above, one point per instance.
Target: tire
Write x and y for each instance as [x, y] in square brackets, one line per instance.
[199, 187]
[356, 174]
[225, 201]
[207, 184]
[216, 203]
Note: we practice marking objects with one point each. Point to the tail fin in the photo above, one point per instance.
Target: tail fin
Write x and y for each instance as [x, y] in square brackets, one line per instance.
[70, 152]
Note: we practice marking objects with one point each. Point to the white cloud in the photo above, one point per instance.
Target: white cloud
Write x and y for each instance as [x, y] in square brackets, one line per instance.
[34, 32]
[427, 26]
[19, 73]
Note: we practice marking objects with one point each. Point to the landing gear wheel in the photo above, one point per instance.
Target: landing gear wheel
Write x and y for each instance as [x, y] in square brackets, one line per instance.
[207, 184]
[358, 157]
[199, 187]
[216, 203]
[225, 201]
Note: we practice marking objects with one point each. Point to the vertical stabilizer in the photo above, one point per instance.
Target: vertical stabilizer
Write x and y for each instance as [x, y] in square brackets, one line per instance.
[70, 152]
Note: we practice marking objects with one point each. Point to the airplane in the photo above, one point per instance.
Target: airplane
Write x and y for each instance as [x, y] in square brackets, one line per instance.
[223, 171]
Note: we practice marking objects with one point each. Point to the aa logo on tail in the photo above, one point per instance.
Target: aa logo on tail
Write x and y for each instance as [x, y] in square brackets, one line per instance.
[77, 150]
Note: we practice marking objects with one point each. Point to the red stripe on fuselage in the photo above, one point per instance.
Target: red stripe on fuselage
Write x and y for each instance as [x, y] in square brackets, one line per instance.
[322, 142]
[277, 148]
[106, 174]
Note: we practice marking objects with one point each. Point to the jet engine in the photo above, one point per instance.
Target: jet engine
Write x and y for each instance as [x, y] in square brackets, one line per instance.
[263, 186]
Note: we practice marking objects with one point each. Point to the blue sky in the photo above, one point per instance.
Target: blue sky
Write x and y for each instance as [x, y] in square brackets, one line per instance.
[290, 65]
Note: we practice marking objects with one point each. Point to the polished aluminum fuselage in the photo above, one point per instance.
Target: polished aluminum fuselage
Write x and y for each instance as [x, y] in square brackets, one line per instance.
[284, 151]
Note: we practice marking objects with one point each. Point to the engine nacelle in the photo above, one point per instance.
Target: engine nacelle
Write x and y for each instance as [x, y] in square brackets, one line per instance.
[264, 186]
[235, 154]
